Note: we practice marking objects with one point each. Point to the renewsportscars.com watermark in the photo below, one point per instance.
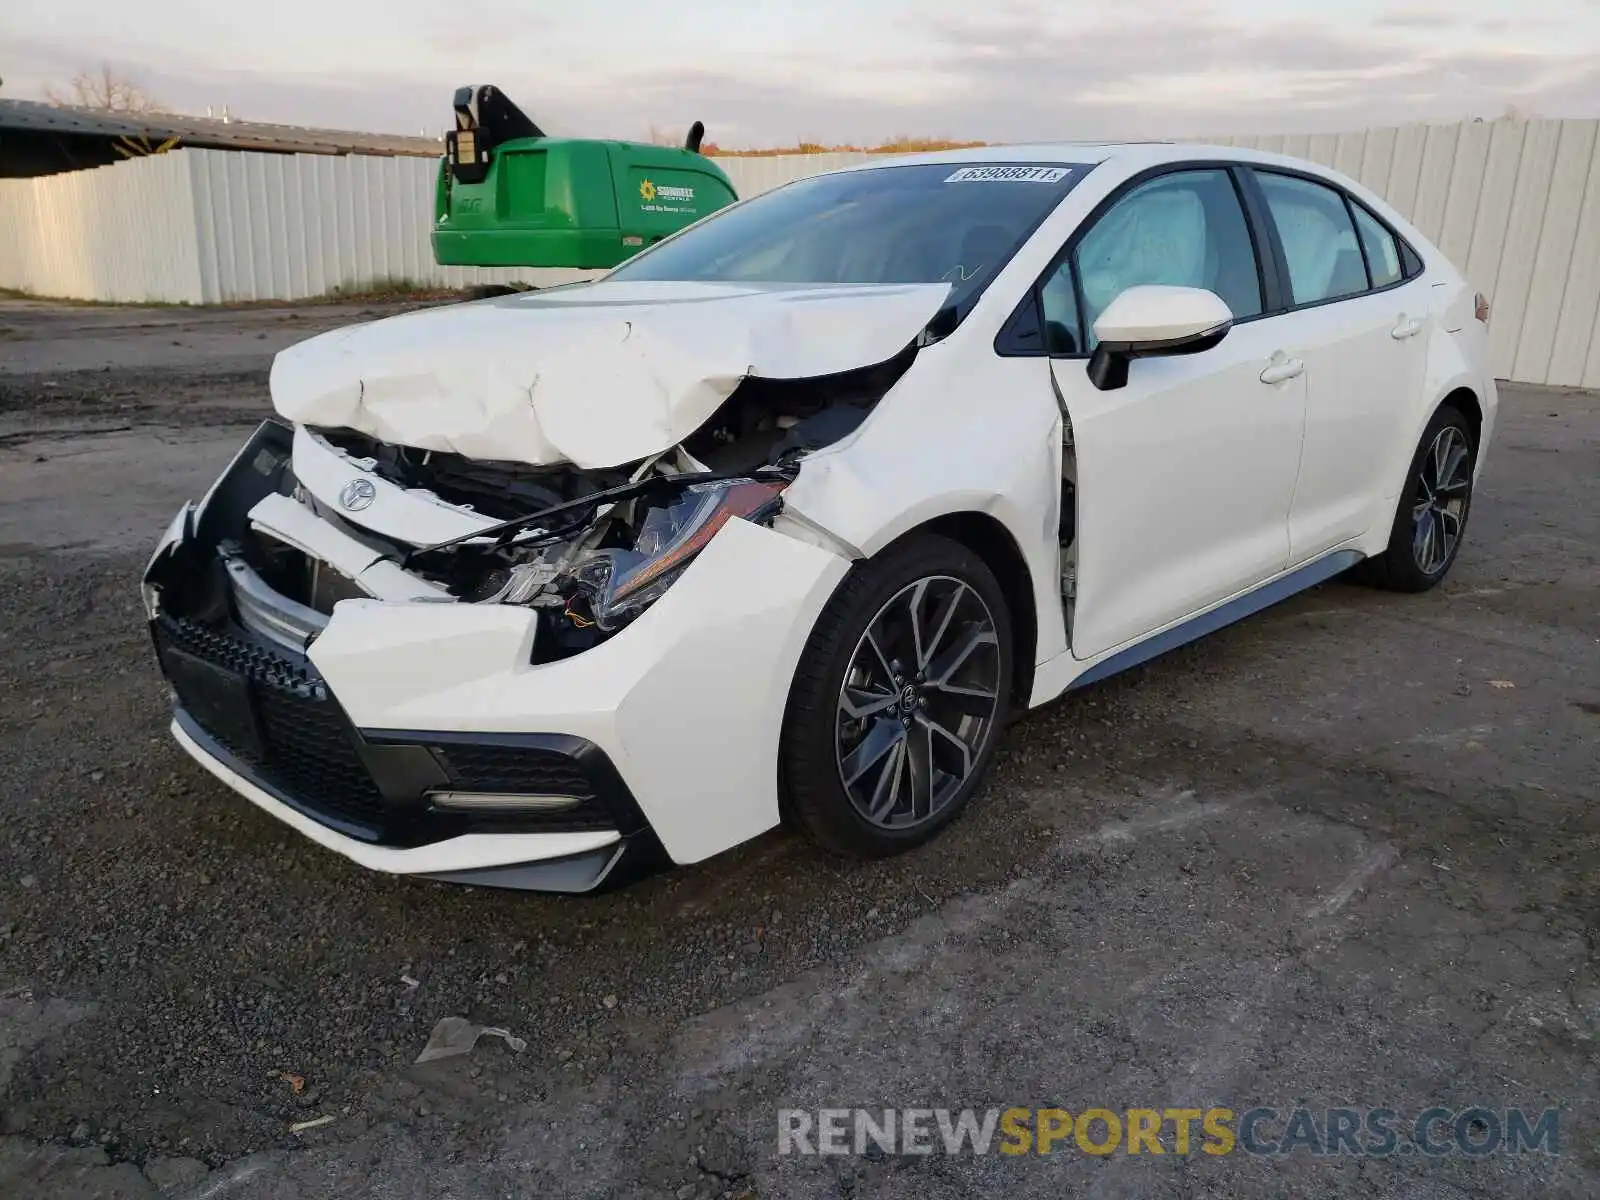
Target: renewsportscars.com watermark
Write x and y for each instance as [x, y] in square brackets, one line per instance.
[1367, 1133]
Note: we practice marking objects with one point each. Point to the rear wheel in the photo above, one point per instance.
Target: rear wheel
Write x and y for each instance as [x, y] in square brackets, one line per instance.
[899, 700]
[1432, 515]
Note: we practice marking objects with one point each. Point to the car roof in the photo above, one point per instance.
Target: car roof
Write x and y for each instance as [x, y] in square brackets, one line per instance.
[1134, 156]
[1029, 152]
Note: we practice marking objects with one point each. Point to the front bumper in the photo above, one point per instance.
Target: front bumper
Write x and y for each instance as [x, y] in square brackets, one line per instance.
[545, 862]
[261, 719]
[668, 731]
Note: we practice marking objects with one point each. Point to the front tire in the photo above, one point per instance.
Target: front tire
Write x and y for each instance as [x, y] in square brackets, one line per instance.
[1432, 516]
[899, 700]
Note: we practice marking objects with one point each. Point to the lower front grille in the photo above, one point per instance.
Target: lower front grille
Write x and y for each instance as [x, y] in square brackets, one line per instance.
[490, 768]
[303, 745]
[517, 768]
[272, 713]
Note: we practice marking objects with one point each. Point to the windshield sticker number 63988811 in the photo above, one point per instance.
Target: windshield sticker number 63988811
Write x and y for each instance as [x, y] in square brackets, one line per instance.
[1009, 174]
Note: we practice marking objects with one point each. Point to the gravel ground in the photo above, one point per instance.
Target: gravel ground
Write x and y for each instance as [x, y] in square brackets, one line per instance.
[1344, 854]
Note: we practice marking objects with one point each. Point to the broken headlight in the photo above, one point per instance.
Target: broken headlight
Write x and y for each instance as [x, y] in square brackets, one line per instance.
[615, 585]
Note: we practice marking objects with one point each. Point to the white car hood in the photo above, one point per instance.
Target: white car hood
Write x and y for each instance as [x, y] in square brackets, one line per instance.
[595, 374]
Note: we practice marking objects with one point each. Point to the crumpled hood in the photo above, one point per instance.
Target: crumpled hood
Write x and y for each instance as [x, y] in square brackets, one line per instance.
[595, 374]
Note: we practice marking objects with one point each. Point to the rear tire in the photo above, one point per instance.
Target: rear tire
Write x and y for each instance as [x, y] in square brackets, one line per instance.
[1431, 518]
[899, 700]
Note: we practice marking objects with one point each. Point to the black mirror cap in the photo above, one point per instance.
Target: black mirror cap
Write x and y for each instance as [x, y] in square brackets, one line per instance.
[1108, 369]
[1108, 365]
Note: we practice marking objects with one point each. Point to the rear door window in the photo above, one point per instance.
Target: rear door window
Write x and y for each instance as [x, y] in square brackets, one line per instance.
[1319, 240]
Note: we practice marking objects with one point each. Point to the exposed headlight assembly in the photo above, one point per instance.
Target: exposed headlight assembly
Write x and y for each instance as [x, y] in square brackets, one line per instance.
[616, 584]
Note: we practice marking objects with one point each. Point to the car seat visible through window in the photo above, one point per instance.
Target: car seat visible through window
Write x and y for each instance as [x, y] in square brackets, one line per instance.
[1319, 243]
[1185, 230]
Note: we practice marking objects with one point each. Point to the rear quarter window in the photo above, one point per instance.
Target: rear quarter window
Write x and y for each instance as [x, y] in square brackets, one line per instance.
[1383, 252]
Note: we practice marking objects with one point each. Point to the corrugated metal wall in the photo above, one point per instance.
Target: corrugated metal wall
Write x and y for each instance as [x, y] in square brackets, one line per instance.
[218, 226]
[123, 233]
[289, 226]
[1515, 203]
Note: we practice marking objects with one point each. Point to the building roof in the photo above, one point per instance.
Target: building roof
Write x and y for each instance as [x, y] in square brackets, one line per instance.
[206, 132]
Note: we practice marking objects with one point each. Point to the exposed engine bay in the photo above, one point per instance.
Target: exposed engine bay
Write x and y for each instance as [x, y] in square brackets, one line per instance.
[587, 549]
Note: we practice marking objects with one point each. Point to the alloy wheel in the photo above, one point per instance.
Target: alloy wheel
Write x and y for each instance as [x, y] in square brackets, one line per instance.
[918, 703]
[1440, 507]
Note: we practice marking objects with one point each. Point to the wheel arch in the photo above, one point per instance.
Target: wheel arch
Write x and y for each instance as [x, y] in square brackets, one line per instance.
[988, 538]
[1465, 399]
[1460, 392]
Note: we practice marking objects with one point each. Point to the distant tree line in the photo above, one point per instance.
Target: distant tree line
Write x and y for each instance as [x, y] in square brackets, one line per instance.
[104, 89]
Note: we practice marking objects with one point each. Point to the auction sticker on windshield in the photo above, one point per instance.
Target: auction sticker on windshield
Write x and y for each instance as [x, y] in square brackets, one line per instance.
[1010, 174]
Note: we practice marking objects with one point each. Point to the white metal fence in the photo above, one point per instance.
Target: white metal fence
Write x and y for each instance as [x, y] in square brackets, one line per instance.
[117, 233]
[217, 226]
[1515, 203]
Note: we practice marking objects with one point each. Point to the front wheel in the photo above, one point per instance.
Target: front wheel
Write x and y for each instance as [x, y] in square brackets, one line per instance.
[1432, 515]
[899, 700]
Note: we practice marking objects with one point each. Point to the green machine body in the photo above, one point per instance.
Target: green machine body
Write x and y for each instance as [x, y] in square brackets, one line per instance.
[509, 196]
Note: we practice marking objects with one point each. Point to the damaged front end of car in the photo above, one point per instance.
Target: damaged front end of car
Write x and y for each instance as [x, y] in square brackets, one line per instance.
[311, 526]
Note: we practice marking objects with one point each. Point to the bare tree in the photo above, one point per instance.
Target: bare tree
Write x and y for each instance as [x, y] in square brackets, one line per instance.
[106, 90]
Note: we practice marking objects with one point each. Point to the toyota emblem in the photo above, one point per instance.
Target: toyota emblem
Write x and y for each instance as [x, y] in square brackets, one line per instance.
[357, 494]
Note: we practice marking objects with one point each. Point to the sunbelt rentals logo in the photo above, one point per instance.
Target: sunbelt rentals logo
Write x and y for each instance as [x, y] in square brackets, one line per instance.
[650, 192]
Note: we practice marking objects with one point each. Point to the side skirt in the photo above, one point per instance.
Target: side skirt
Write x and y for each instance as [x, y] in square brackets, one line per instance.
[1319, 571]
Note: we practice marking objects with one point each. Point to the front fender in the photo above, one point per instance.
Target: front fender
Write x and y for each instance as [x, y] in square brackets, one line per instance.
[866, 511]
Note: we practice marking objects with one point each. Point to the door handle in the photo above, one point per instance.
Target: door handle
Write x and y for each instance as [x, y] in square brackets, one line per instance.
[1406, 328]
[1282, 370]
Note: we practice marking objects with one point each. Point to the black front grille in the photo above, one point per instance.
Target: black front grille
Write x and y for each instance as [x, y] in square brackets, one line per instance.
[305, 749]
[270, 712]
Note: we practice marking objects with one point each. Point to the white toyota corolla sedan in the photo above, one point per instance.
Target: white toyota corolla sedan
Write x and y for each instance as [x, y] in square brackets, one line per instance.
[786, 517]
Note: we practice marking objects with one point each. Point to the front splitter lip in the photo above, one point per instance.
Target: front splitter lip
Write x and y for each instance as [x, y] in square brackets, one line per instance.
[453, 857]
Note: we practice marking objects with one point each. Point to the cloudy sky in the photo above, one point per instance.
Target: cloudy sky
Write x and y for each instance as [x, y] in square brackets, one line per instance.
[770, 72]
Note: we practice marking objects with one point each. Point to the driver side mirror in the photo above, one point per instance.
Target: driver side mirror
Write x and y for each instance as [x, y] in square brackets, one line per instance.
[1154, 320]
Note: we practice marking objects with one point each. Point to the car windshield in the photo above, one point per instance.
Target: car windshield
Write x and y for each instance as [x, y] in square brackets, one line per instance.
[944, 222]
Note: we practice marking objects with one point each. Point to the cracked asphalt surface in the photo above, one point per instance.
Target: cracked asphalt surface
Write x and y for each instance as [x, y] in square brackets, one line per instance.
[1344, 854]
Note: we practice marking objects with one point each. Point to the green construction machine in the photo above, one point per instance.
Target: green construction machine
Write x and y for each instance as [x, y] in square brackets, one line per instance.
[508, 196]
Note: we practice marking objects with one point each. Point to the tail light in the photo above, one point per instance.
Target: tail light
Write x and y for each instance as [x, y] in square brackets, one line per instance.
[1481, 308]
